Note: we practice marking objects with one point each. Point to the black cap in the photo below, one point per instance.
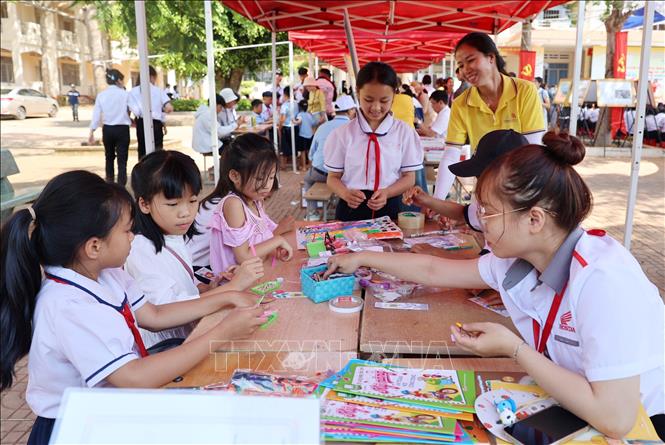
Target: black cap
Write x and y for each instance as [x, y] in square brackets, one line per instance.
[490, 147]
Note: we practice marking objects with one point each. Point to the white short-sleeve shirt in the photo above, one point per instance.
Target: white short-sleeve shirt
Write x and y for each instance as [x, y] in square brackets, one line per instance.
[199, 245]
[158, 98]
[345, 151]
[610, 322]
[79, 335]
[440, 124]
[163, 279]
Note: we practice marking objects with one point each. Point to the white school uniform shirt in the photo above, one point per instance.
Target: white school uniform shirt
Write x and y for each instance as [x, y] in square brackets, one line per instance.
[660, 122]
[163, 279]
[79, 336]
[345, 151]
[593, 115]
[650, 122]
[440, 124]
[111, 108]
[158, 99]
[610, 322]
[199, 245]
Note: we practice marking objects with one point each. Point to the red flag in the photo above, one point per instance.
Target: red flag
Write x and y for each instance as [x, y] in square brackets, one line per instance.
[620, 60]
[527, 65]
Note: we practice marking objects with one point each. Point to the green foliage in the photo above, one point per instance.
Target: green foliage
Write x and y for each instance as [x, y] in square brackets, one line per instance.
[186, 104]
[246, 87]
[176, 28]
[244, 105]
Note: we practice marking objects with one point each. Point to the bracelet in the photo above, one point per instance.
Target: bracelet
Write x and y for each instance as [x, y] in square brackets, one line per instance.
[517, 350]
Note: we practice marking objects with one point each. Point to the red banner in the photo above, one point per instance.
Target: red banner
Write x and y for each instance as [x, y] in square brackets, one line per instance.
[527, 65]
[620, 61]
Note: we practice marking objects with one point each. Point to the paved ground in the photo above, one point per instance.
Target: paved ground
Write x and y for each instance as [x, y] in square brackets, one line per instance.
[608, 178]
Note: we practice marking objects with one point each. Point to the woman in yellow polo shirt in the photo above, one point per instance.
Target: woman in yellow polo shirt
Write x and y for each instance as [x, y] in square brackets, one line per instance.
[494, 101]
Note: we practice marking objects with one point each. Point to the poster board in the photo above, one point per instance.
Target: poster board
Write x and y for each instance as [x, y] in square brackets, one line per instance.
[584, 87]
[564, 91]
[615, 93]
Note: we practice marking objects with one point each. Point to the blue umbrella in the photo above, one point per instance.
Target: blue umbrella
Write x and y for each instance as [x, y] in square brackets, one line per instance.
[637, 19]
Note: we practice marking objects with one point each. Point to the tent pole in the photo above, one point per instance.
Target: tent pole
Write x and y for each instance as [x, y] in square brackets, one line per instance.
[641, 110]
[275, 116]
[310, 64]
[212, 100]
[142, 38]
[291, 109]
[577, 69]
[316, 67]
[351, 42]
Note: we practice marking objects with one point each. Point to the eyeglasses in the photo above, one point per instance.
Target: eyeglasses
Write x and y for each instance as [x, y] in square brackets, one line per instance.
[482, 215]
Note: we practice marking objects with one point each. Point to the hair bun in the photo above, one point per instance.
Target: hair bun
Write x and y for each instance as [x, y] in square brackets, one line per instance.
[564, 148]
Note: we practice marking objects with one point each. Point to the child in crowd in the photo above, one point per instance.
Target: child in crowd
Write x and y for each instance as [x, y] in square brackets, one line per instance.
[80, 324]
[490, 147]
[316, 100]
[240, 228]
[371, 160]
[439, 128]
[166, 185]
[590, 323]
[257, 111]
[306, 126]
[286, 123]
[267, 111]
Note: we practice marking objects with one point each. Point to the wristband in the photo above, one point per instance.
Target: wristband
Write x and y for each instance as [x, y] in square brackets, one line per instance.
[517, 350]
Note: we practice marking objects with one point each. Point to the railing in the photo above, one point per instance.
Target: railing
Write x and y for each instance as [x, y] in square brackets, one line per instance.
[31, 32]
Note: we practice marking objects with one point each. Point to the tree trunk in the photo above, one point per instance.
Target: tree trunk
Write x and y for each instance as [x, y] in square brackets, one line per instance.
[46, 55]
[97, 53]
[231, 80]
[526, 36]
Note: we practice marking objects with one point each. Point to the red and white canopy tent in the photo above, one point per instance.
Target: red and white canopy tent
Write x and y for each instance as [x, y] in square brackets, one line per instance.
[383, 17]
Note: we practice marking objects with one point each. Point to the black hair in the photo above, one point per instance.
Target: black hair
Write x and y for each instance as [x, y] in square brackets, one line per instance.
[439, 95]
[483, 43]
[249, 155]
[406, 89]
[303, 105]
[218, 99]
[152, 72]
[302, 71]
[168, 172]
[457, 70]
[377, 72]
[256, 103]
[287, 91]
[73, 207]
[113, 76]
[427, 79]
[325, 71]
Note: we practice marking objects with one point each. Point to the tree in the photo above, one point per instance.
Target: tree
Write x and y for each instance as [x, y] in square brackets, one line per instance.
[615, 15]
[176, 29]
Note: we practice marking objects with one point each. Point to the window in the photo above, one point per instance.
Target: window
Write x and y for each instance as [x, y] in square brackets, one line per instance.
[4, 13]
[67, 24]
[35, 93]
[6, 70]
[24, 92]
[70, 73]
[551, 14]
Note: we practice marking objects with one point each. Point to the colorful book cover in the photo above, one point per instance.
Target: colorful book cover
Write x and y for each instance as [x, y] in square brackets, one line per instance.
[379, 228]
[460, 436]
[429, 387]
[333, 410]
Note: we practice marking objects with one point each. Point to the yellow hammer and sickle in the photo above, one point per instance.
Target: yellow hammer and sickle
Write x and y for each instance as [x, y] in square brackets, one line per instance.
[527, 70]
[622, 64]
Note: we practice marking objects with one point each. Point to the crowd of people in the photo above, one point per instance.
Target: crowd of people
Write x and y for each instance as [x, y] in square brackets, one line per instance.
[101, 287]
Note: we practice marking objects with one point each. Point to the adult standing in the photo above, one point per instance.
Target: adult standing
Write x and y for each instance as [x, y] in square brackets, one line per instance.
[112, 108]
[463, 87]
[324, 81]
[427, 84]
[227, 118]
[544, 97]
[160, 104]
[494, 101]
[202, 128]
[277, 86]
[299, 89]
[73, 99]
[449, 89]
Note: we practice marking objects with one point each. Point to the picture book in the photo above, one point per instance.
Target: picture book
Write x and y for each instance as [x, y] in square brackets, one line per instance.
[492, 301]
[250, 382]
[379, 228]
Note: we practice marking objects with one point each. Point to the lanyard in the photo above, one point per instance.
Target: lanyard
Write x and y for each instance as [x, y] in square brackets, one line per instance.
[124, 310]
[179, 258]
[551, 315]
[377, 162]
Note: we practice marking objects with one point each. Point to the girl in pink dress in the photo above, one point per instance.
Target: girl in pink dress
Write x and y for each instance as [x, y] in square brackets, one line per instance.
[240, 229]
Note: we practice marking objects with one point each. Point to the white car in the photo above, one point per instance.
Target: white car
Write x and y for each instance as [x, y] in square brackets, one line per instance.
[23, 102]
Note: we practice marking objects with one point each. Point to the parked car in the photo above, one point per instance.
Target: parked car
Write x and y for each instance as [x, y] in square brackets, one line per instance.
[23, 102]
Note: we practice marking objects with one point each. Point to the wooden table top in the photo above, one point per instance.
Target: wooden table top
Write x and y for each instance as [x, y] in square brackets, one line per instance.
[424, 332]
[259, 128]
[301, 324]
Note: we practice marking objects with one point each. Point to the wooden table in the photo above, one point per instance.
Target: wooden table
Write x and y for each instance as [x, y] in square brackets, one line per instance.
[424, 332]
[259, 128]
[219, 366]
[301, 325]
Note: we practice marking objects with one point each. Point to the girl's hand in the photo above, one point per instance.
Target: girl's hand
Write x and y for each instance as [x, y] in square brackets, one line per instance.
[415, 195]
[347, 263]
[486, 339]
[285, 225]
[247, 273]
[241, 323]
[354, 198]
[426, 249]
[214, 281]
[284, 251]
[378, 199]
[241, 299]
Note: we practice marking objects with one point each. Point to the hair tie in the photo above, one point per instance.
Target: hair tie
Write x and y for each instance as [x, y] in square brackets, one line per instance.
[32, 213]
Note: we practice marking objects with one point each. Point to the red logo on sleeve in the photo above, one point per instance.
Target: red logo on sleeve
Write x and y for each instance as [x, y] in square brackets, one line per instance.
[564, 322]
